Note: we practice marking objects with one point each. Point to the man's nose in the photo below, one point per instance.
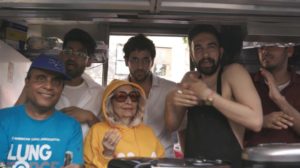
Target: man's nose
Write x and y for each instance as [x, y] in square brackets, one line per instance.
[49, 84]
[140, 64]
[71, 57]
[265, 51]
[205, 53]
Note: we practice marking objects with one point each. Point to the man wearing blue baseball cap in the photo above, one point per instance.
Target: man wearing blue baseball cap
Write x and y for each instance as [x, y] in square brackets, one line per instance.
[31, 134]
[81, 95]
[278, 85]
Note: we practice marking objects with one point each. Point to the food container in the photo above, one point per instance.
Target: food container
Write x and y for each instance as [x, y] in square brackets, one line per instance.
[279, 155]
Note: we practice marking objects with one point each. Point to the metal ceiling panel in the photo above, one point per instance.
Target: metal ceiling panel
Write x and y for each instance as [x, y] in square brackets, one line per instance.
[265, 14]
[273, 32]
[270, 7]
[115, 5]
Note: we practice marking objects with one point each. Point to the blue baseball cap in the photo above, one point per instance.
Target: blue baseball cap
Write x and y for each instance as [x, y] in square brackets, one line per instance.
[51, 63]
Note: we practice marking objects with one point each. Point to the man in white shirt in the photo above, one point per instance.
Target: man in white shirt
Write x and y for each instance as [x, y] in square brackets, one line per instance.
[139, 57]
[81, 97]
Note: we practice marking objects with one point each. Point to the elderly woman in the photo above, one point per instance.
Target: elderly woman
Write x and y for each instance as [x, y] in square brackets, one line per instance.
[122, 133]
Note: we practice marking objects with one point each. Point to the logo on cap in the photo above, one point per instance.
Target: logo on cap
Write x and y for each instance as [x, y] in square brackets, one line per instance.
[56, 64]
[50, 63]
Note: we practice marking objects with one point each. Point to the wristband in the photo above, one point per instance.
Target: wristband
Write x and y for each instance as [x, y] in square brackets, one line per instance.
[210, 98]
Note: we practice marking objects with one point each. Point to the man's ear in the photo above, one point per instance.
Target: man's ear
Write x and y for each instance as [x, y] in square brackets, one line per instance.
[221, 52]
[192, 59]
[26, 82]
[88, 62]
[290, 51]
[192, 54]
[126, 61]
[152, 62]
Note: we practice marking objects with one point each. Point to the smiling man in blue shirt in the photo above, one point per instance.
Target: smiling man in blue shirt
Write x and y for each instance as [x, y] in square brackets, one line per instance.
[31, 134]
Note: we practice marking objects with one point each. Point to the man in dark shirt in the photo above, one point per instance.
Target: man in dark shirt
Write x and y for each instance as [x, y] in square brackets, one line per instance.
[279, 87]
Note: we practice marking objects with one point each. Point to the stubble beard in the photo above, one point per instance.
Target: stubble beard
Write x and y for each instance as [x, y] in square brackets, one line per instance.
[208, 71]
[75, 71]
[268, 67]
[139, 79]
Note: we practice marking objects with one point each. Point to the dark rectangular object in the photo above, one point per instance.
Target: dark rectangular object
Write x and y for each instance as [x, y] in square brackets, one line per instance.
[166, 163]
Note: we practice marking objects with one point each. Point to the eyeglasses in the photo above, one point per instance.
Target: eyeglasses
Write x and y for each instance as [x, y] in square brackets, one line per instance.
[43, 79]
[144, 61]
[122, 96]
[77, 54]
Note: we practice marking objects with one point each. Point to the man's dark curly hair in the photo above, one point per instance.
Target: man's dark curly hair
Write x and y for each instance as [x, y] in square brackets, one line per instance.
[139, 42]
[83, 37]
[204, 29]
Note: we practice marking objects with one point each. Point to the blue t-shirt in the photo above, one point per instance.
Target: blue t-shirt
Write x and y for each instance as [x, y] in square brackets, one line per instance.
[38, 143]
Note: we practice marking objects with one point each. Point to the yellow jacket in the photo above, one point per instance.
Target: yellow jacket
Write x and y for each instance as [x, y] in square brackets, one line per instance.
[137, 139]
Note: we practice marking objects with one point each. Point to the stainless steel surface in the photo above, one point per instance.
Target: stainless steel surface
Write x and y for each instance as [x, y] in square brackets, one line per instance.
[273, 153]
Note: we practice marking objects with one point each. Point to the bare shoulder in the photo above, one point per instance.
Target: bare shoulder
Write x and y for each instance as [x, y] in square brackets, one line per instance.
[234, 68]
[236, 73]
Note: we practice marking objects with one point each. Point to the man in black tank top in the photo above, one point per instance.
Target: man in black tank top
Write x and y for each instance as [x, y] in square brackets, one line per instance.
[220, 102]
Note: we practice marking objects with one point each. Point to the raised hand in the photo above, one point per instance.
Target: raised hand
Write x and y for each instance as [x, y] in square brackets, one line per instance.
[183, 97]
[110, 140]
[198, 86]
[274, 93]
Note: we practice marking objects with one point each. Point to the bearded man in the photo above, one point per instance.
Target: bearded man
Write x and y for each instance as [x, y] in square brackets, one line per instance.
[220, 102]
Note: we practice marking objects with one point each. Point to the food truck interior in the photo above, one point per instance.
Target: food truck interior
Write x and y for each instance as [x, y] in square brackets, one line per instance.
[241, 22]
[25, 25]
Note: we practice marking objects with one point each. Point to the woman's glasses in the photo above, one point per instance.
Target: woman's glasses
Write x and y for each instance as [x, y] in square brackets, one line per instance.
[122, 96]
